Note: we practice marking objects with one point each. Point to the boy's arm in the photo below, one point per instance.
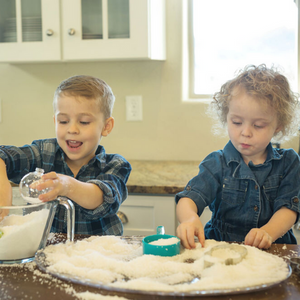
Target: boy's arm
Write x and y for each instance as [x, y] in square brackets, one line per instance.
[85, 194]
[107, 188]
[5, 186]
[278, 225]
[190, 224]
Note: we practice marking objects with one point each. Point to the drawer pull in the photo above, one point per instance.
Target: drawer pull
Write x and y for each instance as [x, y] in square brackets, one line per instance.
[122, 217]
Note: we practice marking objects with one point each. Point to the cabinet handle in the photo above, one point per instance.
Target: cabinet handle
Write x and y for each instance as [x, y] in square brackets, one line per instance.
[49, 32]
[122, 217]
[71, 31]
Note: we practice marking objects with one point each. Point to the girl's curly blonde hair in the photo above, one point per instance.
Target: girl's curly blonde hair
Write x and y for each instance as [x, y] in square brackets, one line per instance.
[265, 84]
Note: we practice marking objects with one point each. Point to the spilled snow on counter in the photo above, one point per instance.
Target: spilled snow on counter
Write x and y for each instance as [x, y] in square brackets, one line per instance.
[93, 296]
[113, 262]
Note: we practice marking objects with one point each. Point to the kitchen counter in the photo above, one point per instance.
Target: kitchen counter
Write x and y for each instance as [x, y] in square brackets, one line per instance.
[27, 282]
[160, 177]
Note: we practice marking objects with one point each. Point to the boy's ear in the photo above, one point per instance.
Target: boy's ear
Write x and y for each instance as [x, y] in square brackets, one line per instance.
[108, 127]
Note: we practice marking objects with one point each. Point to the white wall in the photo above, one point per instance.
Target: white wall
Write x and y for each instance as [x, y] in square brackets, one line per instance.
[170, 130]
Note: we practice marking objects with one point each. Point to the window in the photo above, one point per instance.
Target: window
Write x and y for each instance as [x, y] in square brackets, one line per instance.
[227, 35]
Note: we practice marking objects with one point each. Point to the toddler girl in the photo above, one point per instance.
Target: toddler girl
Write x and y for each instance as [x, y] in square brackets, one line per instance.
[251, 188]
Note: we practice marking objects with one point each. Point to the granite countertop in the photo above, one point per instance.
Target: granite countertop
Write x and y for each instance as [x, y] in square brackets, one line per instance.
[160, 177]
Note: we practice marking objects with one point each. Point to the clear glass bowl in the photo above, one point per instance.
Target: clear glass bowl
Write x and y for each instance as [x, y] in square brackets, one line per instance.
[25, 227]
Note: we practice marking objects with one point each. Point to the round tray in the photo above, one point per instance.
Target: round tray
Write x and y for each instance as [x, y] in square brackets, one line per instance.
[41, 261]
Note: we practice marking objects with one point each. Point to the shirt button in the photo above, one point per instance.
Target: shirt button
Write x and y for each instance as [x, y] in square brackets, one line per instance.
[188, 188]
[255, 208]
[256, 187]
[296, 200]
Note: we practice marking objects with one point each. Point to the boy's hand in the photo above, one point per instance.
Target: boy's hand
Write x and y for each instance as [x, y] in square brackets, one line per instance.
[5, 190]
[186, 231]
[6, 194]
[57, 184]
[6, 197]
[259, 238]
[85, 194]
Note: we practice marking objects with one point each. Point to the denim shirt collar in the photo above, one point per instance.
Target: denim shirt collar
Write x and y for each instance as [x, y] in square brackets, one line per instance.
[231, 155]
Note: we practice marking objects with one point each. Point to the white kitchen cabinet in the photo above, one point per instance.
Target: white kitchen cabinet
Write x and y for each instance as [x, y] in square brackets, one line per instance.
[81, 30]
[145, 213]
[23, 29]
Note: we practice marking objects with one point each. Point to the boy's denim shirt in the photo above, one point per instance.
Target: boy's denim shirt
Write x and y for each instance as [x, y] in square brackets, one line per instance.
[243, 197]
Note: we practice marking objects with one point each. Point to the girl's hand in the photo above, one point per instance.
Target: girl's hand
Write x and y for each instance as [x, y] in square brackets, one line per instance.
[57, 184]
[259, 238]
[186, 231]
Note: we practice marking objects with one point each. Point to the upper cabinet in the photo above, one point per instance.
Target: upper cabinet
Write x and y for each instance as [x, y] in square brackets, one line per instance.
[81, 30]
[29, 30]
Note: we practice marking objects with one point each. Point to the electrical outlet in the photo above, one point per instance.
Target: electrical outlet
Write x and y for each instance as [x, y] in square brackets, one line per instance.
[134, 108]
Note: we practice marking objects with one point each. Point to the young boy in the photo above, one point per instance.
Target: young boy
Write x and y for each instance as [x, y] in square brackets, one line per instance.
[76, 166]
[252, 189]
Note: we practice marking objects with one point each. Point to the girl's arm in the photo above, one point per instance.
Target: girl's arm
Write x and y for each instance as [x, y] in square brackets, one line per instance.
[279, 224]
[190, 224]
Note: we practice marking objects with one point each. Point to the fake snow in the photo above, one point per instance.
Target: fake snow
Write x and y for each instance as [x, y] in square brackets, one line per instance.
[22, 234]
[112, 262]
[165, 242]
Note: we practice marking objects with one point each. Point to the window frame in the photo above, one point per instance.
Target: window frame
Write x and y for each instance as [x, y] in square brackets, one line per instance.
[190, 33]
[188, 55]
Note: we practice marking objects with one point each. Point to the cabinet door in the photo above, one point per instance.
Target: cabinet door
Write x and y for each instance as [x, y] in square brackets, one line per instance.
[113, 29]
[29, 30]
[145, 213]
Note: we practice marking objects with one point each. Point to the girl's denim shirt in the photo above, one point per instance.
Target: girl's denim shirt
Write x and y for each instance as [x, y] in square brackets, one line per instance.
[243, 197]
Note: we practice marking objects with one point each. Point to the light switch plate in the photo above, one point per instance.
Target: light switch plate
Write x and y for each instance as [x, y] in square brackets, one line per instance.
[134, 108]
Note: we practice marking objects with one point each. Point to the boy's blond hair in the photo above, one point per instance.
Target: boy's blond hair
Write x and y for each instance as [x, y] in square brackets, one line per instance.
[88, 87]
[265, 84]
